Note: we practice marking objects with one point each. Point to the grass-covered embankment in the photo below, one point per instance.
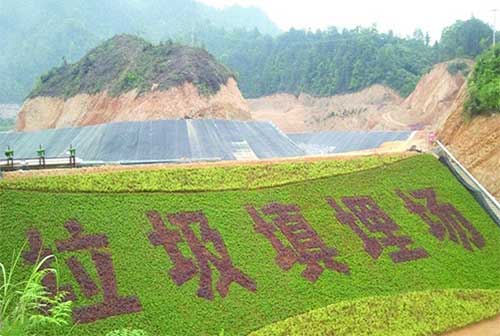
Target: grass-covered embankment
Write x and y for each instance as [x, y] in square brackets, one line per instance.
[418, 313]
[212, 178]
[99, 203]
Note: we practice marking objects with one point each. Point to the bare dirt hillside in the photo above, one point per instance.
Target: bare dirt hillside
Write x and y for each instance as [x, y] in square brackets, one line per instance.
[489, 327]
[129, 79]
[179, 102]
[375, 108]
[475, 143]
[360, 110]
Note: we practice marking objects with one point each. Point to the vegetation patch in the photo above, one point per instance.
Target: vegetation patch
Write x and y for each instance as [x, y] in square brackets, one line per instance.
[484, 86]
[200, 261]
[456, 67]
[126, 63]
[419, 313]
[199, 179]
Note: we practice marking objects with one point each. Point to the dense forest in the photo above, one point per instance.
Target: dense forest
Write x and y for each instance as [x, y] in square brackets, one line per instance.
[37, 34]
[328, 62]
[321, 63]
[42, 34]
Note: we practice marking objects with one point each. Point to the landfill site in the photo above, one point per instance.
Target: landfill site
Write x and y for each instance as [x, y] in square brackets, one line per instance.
[181, 141]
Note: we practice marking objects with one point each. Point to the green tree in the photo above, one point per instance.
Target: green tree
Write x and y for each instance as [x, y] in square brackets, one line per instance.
[484, 86]
[465, 39]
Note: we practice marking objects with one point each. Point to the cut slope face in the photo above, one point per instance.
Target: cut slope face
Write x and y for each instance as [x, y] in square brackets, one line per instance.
[475, 143]
[129, 79]
[375, 108]
[197, 262]
[356, 111]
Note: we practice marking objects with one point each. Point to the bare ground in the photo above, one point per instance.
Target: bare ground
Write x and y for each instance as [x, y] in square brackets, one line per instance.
[178, 102]
[375, 108]
[485, 328]
[475, 143]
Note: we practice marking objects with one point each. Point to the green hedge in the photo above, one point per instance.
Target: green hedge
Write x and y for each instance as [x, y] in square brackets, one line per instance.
[168, 309]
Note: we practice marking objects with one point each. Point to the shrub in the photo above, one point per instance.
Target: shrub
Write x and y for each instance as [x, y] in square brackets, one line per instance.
[484, 86]
[458, 67]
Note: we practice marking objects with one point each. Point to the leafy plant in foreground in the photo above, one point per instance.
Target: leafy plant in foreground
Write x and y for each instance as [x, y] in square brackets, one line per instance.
[23, 303]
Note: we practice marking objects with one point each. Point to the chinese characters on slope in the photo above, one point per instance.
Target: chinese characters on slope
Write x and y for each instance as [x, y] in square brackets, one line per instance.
[287, 230]
[185, 268]
[112, 304]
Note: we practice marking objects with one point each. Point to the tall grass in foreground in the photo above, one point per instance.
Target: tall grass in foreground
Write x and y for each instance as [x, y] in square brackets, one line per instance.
[26, 305]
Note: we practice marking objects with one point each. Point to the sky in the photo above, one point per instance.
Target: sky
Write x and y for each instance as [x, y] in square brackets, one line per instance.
[400, 16]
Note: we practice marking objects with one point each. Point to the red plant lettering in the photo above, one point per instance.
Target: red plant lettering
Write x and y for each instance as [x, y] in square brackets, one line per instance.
[306, 245]
[112, 304]
[37, 253]
[364, 209]
[443, 219]
[185, 268]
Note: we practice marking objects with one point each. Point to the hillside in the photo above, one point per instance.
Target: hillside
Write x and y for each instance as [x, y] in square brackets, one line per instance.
[473, 129]
[356, 111]
[336, 61]
[194, 251]
[476, 144]
[36, 34]
[129, 79]
[375, 108]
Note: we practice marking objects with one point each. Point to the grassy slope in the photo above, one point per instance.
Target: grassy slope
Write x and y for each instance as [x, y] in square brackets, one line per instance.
[168, 309]
[420, 313]
[197, 179]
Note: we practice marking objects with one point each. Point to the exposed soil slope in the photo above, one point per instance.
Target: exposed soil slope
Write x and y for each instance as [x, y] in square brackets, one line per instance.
[129, 79]
[475, 143]
[178, 102]
[489, 327]
[375, 108]
[360, 110]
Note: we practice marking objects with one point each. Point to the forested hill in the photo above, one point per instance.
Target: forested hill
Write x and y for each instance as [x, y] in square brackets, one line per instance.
[322, 63]
[126, 62]
[329, 62]
[36, 34]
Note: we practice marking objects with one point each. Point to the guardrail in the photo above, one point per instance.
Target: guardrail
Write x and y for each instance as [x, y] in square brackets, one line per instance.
[35, 163]
[489, 203]
[64, 162]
